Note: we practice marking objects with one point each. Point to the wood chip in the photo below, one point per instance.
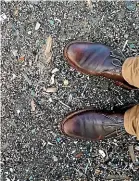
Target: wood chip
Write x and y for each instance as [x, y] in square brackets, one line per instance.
[52, 80]
[16, 12]
[33, 106]
[47, 49]
[132, 154]
[117, 177]
[51, 89]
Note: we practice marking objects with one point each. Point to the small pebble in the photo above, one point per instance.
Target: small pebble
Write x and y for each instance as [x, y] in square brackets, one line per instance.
[29, 32]
[14, 76]
[126, 36]
[101, 152]
[14, 52]
[55, 70]
[55, 158]
[3, 17]
[137, 148]
[18, 111]
[50, 99]
[11, 169]
[37, 26]
[97, 171]
[66, 82]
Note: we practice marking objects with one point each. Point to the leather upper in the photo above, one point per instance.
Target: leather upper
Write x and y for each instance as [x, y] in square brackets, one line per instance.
[92, 125]
[94, 59]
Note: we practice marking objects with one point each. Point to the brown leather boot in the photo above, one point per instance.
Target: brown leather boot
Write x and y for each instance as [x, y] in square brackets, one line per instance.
[93, 125]
[95, 59]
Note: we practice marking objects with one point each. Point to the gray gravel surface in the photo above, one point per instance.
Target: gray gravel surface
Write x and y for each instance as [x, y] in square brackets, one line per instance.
[32, 146]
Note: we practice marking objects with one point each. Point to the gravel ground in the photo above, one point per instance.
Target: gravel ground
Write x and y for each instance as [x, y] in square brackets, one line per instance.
[33, 149]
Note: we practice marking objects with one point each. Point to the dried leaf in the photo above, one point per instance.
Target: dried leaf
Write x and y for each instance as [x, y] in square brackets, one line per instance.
[33, 106]
[51, 89]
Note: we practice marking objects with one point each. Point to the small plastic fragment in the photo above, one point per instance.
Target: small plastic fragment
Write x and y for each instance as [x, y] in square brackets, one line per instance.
[131, 6]
[51, 22]
[131, 45]
[21, 59]
[58, 139]
[30, 178]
